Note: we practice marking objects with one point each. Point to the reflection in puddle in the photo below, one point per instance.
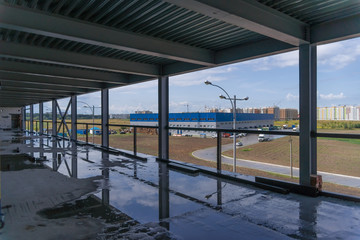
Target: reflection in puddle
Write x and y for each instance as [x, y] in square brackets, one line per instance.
[151, 198]
[19, 162]
[92, 206]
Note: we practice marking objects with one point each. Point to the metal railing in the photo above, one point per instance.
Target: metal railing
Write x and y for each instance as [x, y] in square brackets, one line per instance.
[219, 132]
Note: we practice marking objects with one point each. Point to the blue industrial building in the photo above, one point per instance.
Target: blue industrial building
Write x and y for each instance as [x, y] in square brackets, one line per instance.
[205, 120]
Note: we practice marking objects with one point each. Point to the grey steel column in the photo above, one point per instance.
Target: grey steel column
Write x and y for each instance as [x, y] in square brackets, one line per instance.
[305, 113]
[313, 109]
[41, 118]
[105, 117]
[74, 161]
[54, 118]
[73, 118]
[31, 118]
[163, 103]
[23, 110]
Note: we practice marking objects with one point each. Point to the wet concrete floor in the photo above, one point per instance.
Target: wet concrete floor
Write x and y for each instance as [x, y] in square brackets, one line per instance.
[136, 199]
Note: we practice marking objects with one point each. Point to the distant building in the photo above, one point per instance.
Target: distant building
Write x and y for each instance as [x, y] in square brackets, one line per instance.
[205, 120]
[289, 114]
[347, 113]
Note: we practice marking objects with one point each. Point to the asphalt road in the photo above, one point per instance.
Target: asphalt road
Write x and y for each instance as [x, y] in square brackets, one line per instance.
[209, 154]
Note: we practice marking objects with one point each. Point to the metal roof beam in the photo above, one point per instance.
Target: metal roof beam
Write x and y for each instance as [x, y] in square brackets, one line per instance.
[8, 84]
[235, 54]
[54, 81]
[22, 93]
[62, 72]
[252, 50]
[35, 22]
[336, 30]
[46, 55]
[250, 15]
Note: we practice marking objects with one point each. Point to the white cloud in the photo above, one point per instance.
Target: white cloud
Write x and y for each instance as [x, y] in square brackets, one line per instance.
[130, 108]
[278, 61]
[198, 78]
[332, 96]
[291, 97]
[335, 55]
[338, 55]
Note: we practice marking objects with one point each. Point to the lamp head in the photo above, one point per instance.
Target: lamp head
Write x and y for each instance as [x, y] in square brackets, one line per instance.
[208, 82]
[222, 97]
[246, 98]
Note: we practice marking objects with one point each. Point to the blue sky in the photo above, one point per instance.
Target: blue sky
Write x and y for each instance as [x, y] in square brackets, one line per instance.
[267, 81]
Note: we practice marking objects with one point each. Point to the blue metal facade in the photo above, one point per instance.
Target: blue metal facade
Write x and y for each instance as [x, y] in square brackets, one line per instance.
[201, 117]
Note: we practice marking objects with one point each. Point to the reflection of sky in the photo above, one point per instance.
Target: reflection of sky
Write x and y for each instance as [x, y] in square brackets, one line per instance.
[136, 194]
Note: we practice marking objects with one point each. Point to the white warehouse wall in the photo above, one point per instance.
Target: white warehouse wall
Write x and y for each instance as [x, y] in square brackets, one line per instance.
[5, 116]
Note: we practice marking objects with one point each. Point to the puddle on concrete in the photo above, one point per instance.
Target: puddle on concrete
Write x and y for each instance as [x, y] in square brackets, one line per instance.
[90, 206]
[136, 197]
[18, 162]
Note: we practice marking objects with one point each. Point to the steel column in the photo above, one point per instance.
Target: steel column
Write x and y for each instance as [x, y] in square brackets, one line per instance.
[73, 118]
[306, 96]
[163, 103]
[105, 117]
[41, 118]
[23, 110]
[54, 118]
[313, 109]
[31, 118]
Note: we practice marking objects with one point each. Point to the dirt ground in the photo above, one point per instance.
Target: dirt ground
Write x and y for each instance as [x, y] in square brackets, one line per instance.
[332, 155]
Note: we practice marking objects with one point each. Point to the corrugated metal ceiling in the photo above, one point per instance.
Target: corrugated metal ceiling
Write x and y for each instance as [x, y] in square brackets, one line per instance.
[186, 37]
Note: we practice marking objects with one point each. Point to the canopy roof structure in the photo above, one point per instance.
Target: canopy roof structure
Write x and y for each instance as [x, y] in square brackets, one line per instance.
[50, 49]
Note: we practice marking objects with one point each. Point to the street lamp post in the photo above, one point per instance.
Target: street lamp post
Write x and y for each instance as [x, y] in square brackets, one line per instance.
[233, 105]
[92, 109]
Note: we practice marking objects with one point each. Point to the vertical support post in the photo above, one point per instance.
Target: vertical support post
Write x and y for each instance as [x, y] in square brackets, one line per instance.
[163, 102]
[218, 152]
[23, 118]
[135, 141]
[41, 118]
[87, 132]
[105, 118]
[73, 118]
[31, 118]
[54, 118]
[313, 109]
[305, 113]
[47, 128]
[234, 134]
[74, 162]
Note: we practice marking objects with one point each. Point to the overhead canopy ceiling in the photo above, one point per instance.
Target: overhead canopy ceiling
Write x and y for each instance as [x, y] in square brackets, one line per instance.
[57, 48]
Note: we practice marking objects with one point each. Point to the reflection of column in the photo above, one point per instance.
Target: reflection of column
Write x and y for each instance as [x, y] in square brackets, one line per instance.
[41, 147]
[54, 163]
[219, 192]
[74, 162]
[135, 169]
[105, 193]
[308, 218]
[32, 148]
[164, 207]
